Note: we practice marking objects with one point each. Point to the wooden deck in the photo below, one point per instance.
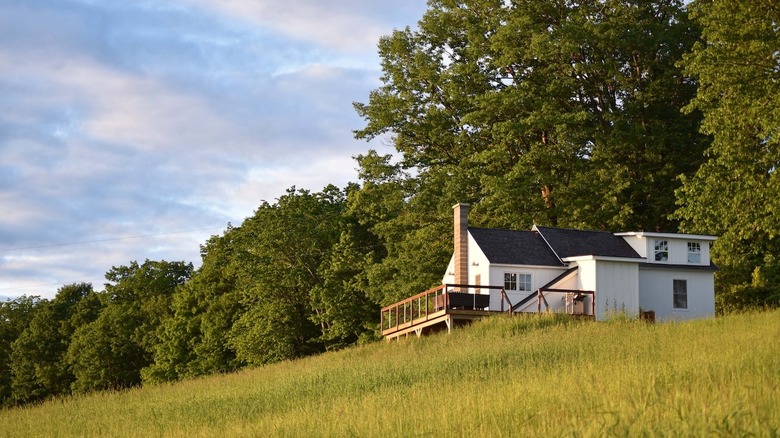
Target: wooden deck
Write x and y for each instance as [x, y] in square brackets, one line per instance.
[450, 305]
[437, 309]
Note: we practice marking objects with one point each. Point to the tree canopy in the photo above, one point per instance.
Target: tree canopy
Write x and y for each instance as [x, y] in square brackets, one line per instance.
[549, 112]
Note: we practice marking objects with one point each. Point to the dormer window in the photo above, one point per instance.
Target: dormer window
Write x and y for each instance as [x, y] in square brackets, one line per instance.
[694, 252]
[661, 250]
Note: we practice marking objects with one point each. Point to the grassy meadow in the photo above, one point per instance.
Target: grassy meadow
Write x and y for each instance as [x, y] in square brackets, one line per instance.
[521, 376]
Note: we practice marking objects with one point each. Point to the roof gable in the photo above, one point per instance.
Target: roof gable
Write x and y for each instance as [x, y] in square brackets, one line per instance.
[573, 243]
[513, 247]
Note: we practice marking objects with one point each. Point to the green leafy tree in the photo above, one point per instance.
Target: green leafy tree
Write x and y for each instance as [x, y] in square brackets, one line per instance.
[193, 339]
[409, 216]
[549, 112]
[111, 351]
[283, 246]
[15, 317]
[38, 365]
[736, 193]
[287, 280]
[106, 353]
[347, 313]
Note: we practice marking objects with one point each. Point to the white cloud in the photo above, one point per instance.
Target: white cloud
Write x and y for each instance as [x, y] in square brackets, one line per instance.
[135, 118]
[342, 25]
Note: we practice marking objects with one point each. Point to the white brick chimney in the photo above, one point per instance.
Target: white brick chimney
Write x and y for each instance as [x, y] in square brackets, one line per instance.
[461, 237]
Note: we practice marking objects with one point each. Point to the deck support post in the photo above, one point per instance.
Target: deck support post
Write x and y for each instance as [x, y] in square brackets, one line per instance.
[538, 301]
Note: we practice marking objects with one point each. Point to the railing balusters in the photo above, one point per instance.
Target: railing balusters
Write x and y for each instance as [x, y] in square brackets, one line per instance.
[405, 312]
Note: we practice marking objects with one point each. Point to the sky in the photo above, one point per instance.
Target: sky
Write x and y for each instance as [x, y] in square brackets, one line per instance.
[134, 130]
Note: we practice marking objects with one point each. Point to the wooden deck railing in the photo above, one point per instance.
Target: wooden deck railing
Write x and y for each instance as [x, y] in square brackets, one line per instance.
[465, 300]
[422, 305]
[419, 308]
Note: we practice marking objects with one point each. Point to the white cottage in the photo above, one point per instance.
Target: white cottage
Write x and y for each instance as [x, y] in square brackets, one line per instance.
[588, 273]
[665, 273]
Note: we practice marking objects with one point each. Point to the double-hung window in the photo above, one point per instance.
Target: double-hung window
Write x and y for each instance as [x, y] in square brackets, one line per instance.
[661, 250]
[680, 294]
[524, 282]
[510, 281]
[694, 252]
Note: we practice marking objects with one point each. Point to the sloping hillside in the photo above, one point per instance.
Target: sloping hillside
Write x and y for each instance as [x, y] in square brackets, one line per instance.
[521, 376]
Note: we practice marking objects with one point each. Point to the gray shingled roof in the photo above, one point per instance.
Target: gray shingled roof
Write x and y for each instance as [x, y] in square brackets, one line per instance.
[514, 247]
[572, 243]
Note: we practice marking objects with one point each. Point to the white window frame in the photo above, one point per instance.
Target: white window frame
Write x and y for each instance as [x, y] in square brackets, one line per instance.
[661, 247]
[680, 289]
[520, 281]
[694, 253]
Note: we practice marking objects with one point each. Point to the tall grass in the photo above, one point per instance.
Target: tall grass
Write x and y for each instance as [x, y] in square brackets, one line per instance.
[521, 376]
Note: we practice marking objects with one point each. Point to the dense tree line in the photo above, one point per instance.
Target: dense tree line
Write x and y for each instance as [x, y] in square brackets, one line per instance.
[288, 282]
[83, 340]
[600, 114]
